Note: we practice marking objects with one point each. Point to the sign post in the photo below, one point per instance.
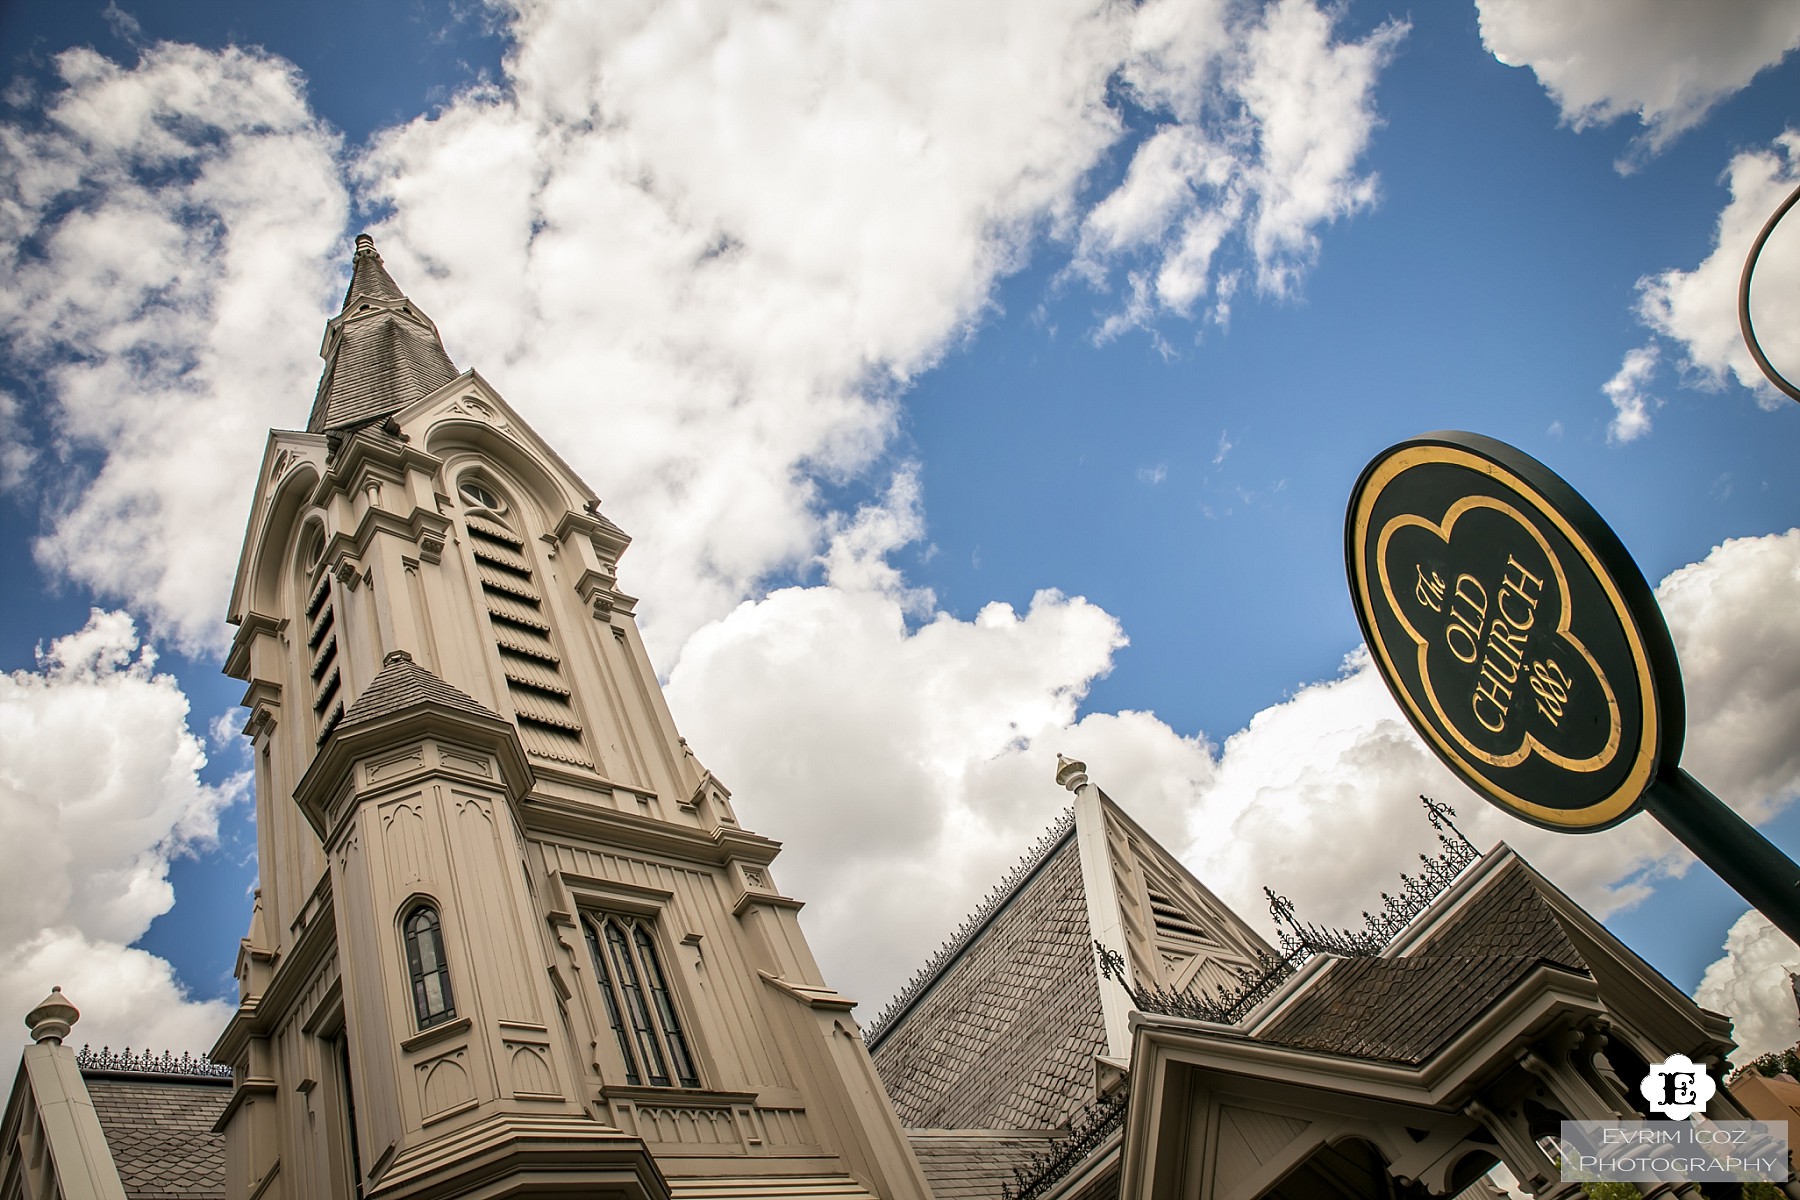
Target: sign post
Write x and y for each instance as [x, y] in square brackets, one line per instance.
[1525, 647]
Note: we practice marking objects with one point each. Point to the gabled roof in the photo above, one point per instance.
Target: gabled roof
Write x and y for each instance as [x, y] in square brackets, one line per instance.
[973, 1164]
[1406, 1008]
[381, 353]
[402, 683]
[1005, 1026]
[1005, 1035]
[160, 1132]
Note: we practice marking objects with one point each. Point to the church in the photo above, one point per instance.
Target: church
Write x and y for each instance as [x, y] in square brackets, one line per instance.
[511, 939]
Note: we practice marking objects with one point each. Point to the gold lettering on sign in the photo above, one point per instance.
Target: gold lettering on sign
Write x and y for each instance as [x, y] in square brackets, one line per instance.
[1551, 684]
[1429, 592]
[1467, 612]
[1505, 650]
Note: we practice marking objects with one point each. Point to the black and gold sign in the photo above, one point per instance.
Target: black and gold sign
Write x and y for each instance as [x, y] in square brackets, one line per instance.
[1516, 632]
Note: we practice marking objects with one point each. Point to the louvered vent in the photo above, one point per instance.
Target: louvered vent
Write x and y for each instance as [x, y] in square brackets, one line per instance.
[534, 678]
[1171, 919]
[322, 644]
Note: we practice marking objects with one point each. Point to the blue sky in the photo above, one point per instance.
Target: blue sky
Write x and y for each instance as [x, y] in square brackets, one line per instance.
[947, 442]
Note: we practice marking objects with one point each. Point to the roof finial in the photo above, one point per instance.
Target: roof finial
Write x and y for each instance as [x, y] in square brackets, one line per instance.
[365, 245]
[1071, 773]
[51, 1019]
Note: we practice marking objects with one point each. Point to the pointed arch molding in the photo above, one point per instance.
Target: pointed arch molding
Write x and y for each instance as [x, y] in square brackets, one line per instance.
[293, 464]
[452, 428]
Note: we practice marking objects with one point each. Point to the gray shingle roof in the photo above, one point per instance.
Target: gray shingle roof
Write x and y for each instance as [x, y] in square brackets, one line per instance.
[973, 1164]
[368, 278]
[385, 358]
[1509, 916]
[1406, 1009]
[402, 683]
[1006, 1036]
[159, 1130]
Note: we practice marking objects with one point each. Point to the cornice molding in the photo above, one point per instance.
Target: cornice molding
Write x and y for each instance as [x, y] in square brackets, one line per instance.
[330, 778]
[547, 818]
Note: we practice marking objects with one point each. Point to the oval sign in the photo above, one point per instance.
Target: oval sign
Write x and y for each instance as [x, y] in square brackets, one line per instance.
[1518, 635]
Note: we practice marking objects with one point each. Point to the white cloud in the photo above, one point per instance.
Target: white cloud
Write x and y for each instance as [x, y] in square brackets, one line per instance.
[1735, 617]
[99, 789]
[704, 250]
[1750, 982]
[1666, 62]
[891, 758]
[770, 219]
[166, 230]
[1281, 163]
[908, 768]
[1631, 402]
[1697, 309]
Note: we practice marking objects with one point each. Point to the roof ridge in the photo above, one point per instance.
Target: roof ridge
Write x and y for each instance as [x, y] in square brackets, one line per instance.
[1047, 844]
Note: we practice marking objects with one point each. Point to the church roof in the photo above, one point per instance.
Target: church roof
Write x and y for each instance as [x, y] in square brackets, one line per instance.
[973, 1164]
[1405, 1009]
[386, 353]
[402, 683]
[1396, 1009]
[160, 1132]
[1006, 1034]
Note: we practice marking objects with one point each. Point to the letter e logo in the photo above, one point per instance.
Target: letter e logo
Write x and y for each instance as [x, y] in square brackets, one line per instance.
[1678, 1087]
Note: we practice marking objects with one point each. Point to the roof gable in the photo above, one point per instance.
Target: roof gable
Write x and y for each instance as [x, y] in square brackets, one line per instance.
[1005, 1034]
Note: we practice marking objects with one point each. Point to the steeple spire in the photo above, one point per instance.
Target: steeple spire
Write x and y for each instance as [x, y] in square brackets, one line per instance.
[381, 353]
[367, 276]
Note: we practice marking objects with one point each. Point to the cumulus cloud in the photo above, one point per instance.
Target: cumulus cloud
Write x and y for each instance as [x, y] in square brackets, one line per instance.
[166, 231]
[1697, 309]
[908, 766]
[1630, 400]
[704, 250]
[887, 754]
[1750, 982]
[773, 218]
[1666, 62]
[99, 789]
[1295, 111]
[1735, 617]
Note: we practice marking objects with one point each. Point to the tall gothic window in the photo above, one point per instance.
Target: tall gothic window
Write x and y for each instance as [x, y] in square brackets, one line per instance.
[630, 976]
[432, 1001]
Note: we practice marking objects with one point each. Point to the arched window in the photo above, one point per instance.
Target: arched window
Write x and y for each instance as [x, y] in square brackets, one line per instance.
[629, 973]
[432, 1002]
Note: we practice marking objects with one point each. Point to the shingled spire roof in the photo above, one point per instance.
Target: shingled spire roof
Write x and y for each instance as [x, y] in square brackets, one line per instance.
[381, 353]
[402, 683]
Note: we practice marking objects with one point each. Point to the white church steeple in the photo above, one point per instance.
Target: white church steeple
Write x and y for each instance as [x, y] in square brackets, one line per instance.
[509, 932]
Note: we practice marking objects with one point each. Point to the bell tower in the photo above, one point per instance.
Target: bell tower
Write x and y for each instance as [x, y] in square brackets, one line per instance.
[510, 937]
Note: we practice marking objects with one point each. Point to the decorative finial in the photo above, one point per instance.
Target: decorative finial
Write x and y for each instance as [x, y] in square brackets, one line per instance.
[51, 1019]
[1071, 773]
[365, 245]
[394, 656]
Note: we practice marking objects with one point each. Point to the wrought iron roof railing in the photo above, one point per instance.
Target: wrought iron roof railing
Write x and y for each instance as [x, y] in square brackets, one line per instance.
[1300, 940]
[1088, 1131]
[144, 1062]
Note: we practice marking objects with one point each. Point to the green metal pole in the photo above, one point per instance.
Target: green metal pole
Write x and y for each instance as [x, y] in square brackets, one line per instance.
[1727, 843]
